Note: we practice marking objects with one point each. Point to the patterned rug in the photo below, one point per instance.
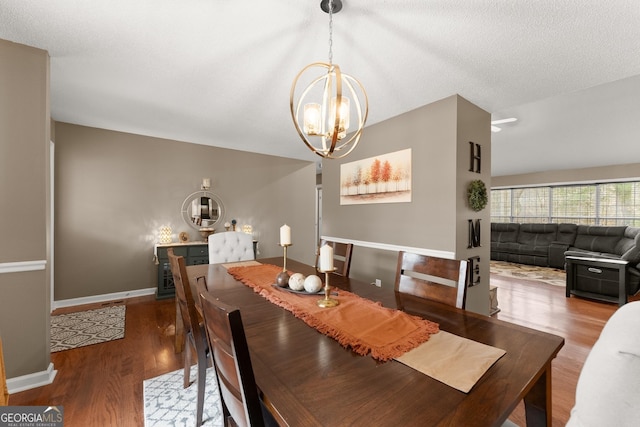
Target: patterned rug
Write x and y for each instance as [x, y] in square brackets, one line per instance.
[88, 327]
[551, 276]
[168, 404]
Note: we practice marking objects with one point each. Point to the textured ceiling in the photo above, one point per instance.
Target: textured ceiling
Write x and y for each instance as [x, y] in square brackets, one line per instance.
[219, 72]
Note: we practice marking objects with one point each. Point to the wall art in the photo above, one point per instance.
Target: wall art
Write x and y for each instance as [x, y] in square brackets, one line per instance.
[380, 179]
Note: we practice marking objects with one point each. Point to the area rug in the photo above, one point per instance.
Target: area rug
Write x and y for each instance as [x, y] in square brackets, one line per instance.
[168, 404]
[88, 327]
[551, 276]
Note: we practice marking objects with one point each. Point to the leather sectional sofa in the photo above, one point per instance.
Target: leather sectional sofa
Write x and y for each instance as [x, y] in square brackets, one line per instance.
[548, 245]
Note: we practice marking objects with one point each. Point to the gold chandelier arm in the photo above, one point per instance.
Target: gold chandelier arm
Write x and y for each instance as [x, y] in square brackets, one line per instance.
[335, 70]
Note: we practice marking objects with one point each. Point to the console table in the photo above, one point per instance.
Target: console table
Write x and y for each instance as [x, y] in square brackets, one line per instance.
[194, 253]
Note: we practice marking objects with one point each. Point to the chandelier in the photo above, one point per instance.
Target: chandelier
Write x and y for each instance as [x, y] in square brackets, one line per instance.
[329, 103]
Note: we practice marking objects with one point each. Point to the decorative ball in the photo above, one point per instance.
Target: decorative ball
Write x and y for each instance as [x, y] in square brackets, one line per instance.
[282, 279]
[296, 281]
[312, 284]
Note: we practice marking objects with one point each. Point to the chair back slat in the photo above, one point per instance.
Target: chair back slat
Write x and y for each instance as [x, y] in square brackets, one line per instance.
[232, 361]
[439, 279]
[184, 295]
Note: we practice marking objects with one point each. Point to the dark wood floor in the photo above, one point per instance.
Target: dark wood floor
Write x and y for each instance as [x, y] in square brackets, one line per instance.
[101, 385]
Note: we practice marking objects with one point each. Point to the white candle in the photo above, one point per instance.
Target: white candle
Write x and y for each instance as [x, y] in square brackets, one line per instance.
[285, 235]
[326, 258]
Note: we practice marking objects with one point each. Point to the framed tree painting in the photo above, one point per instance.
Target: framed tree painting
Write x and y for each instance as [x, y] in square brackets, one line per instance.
[380, 179]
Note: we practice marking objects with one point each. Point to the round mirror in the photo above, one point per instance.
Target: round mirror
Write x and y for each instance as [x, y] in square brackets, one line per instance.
[202, 209]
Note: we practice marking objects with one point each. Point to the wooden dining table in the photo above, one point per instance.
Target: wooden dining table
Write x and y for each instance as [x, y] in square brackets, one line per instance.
[311, 380]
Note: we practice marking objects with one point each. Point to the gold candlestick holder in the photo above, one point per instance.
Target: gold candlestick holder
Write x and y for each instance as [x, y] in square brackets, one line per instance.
[327, 301]
[282, 279]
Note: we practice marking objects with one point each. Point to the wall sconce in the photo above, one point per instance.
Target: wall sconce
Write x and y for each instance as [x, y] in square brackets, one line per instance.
[247, 229]
[206, 184]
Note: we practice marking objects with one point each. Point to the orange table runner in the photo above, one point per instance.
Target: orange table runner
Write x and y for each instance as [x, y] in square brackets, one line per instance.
[357, 323]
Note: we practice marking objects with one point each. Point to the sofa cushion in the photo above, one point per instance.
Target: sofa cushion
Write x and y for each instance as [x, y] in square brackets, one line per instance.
[504, 232]
[511, 247]
[537, 234]
[567, 233]
[598, 238]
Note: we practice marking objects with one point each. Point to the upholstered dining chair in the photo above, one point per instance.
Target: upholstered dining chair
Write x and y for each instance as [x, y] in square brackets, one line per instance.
[241, 402]
[193, 329]
[341, 256]
[439, 279]
[230, 246]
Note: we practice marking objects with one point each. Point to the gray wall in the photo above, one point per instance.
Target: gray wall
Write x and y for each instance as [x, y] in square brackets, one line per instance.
[436, 218]
[115, 190]
[24, 207]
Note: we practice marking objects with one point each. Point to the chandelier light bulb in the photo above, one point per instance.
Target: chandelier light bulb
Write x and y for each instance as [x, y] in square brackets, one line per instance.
[312, 118]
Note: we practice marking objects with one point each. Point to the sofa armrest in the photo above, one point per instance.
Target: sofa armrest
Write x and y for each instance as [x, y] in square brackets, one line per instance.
[556, 254]
[633, 254]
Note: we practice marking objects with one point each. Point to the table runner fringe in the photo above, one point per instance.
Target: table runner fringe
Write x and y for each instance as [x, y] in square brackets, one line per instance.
[384, 354]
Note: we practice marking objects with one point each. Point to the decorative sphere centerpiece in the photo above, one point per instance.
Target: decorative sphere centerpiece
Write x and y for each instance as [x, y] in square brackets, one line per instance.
[282, 279]
[296, 282]
[312, 284]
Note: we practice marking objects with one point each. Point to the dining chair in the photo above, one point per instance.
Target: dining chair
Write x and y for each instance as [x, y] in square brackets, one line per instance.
[193, 329]
[230, 246]
[439, 279]
[341, 256]
[241, 401]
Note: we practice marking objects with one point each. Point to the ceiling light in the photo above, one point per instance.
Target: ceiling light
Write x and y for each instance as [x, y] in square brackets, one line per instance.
[329, 103]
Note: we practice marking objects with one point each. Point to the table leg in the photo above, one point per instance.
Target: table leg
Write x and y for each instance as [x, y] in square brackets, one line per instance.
[537, 402]
[179, 339]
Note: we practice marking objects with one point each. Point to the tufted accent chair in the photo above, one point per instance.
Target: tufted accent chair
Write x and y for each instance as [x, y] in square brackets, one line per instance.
[230, 246]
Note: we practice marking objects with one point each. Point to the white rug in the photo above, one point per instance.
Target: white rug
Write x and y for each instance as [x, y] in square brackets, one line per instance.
[87, 327]
[168, 404]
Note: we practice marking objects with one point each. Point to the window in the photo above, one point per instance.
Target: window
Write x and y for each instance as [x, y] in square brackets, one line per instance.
[590, 204]
[620, 204]
[530, 204]
[501, 205]
[575, 204]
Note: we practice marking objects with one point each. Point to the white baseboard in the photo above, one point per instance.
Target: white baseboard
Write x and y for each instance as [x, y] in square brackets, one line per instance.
[29, 381]
[102, 298]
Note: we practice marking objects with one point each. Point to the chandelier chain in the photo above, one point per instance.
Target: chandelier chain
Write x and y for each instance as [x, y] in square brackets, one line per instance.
[330, 32]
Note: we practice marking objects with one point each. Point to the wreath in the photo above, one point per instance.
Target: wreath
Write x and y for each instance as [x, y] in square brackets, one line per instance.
[477, 195]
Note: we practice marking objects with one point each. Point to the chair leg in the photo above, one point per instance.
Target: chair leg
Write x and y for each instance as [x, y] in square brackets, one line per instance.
[202, 379]
[187, 364]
